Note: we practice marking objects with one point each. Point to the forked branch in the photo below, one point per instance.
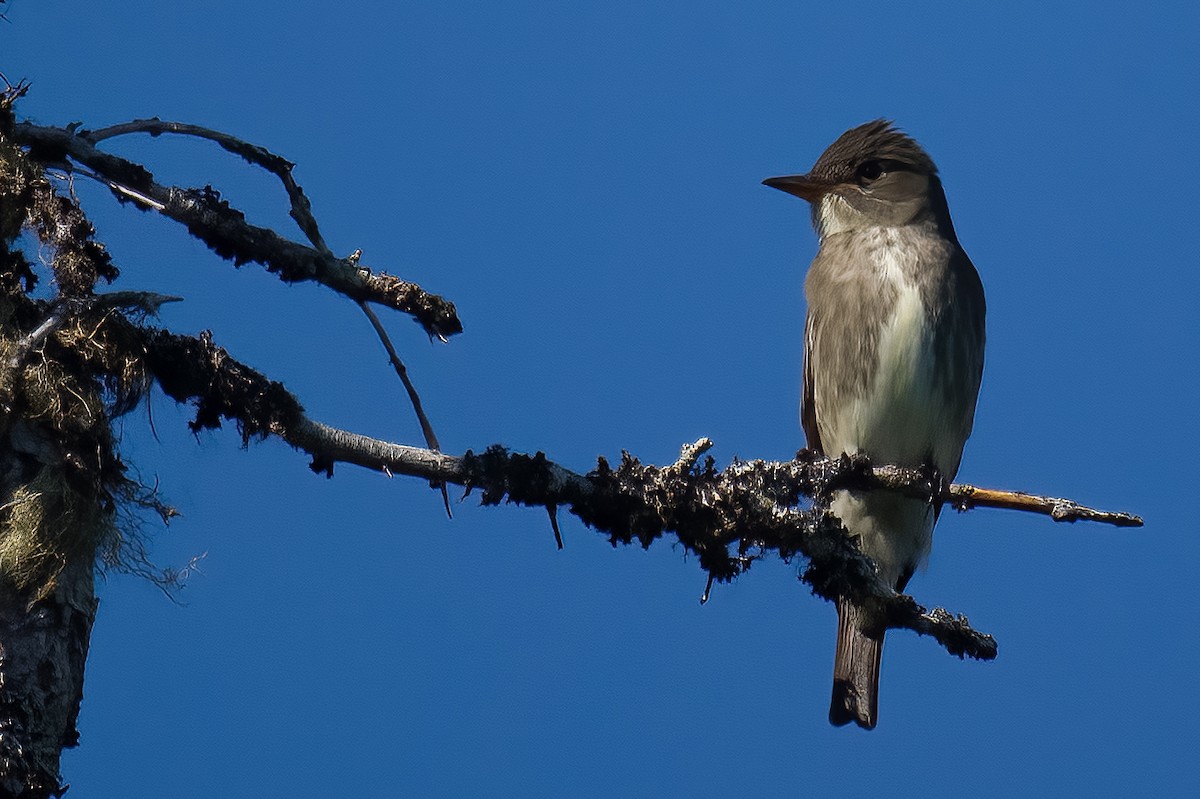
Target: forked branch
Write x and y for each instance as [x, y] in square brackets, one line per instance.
[225, 229]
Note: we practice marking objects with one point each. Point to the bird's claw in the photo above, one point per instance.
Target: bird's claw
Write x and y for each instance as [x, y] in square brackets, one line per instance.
[936, 482]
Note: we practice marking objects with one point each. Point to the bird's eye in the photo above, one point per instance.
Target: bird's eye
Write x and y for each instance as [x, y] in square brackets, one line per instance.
[870, 170]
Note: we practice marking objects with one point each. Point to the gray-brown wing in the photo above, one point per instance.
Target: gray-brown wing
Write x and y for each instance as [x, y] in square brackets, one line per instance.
[960, 337]
[808, 411]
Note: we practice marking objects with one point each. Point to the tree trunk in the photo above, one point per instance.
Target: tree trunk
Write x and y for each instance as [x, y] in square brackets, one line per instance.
[43, 648]
[57, 471]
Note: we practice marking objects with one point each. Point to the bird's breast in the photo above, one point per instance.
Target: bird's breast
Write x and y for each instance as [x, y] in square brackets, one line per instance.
[899, 418]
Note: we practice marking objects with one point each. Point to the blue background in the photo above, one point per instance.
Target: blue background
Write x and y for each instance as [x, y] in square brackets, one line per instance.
[582, 180]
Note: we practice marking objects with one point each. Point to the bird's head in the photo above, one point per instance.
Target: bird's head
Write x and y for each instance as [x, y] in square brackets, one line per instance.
[872, 176]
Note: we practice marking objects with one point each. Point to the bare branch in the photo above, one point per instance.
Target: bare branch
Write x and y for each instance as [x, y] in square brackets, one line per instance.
[10, 94]
[225, 230]
[252, 153]
[916, 483]
[402, 372]
[965, 497]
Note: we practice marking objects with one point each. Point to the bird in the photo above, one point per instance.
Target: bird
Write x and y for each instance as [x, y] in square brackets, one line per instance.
[893, 359]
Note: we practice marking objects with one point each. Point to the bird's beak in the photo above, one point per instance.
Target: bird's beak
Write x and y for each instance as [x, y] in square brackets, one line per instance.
[805, 186]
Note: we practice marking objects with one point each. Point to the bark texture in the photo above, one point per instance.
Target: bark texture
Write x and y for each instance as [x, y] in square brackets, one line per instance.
[43, 649]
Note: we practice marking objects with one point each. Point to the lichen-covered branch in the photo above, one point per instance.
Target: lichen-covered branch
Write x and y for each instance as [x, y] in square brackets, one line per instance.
[225, 229]
[728, 518]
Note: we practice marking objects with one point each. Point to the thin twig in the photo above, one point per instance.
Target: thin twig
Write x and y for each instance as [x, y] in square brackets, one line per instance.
[552, 510]
[12, 93]
[402, 372]
[963, 496]
[257, 155]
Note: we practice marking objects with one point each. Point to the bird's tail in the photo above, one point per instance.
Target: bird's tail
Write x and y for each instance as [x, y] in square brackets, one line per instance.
[856, 668]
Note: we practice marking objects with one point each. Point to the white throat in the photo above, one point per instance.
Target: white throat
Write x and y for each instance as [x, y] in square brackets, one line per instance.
[835, 215]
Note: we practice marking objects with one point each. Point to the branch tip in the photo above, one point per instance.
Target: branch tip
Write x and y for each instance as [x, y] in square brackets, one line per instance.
[552, 510]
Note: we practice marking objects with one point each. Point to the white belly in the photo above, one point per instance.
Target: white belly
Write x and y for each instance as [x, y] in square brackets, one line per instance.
[901, 420]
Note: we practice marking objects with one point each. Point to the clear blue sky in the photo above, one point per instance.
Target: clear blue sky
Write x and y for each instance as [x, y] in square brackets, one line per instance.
[583, 181]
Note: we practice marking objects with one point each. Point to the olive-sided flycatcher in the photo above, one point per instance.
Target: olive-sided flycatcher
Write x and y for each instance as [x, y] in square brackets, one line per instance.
[893, 355]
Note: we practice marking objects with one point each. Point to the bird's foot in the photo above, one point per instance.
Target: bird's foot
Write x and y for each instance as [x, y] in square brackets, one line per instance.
[936, 483]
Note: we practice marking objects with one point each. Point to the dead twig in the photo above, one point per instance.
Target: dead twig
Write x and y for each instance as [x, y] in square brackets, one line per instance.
[257, 155]
[402, 372]
[963, 496]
